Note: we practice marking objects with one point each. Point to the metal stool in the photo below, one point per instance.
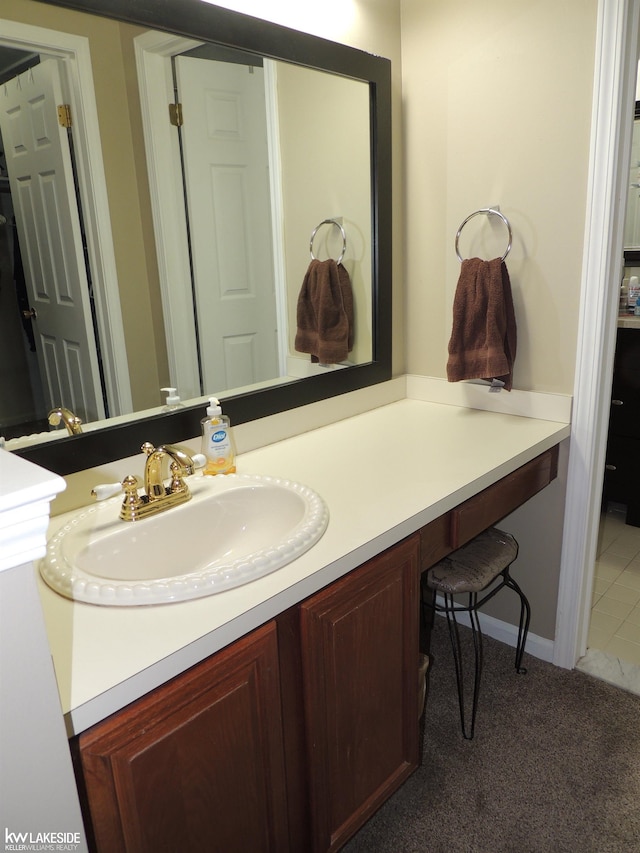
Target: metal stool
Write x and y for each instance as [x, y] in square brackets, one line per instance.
[472, 569]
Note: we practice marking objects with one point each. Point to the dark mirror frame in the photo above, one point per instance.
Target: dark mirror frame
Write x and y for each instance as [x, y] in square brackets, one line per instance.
[199, 20]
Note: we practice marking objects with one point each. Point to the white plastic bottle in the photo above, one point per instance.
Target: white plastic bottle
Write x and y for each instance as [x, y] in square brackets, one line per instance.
[634, 292]
[624, 296]
[217, 441]
[173, 401]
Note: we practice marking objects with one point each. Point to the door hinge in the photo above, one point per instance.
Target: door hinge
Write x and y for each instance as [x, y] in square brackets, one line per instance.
[175, 115]
[64, 115]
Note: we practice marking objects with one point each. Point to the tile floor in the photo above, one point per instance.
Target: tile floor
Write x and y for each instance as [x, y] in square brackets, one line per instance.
[615, 612]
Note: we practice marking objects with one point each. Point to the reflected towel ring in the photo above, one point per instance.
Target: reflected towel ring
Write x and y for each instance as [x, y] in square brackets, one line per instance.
[344, 238]
[488, 211]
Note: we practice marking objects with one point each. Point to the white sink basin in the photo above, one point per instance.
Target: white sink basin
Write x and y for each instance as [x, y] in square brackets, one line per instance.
[235, 528]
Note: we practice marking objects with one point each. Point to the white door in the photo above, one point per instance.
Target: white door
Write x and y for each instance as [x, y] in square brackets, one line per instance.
[632, 221]
[228, 197]
[44, 200]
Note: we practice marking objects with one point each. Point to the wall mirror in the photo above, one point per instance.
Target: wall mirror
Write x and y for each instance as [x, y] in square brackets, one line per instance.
[143, 288]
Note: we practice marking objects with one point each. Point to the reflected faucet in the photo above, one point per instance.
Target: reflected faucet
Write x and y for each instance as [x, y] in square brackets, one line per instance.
[72, 422]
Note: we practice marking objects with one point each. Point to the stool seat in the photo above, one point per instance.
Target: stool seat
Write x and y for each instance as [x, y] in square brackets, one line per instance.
[475, 565]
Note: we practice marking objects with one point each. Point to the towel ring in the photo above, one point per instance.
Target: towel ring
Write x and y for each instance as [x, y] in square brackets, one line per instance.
[344, 238]
[488, 211]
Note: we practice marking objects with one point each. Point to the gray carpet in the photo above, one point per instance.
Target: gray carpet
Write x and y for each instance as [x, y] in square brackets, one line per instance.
[554, 766]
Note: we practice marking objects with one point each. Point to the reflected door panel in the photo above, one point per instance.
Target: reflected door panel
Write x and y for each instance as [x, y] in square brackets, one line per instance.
[228, 197]
[43, 193]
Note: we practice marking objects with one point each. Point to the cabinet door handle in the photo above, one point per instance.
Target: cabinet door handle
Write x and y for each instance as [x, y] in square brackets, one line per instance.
[610, 468]
[617, 402]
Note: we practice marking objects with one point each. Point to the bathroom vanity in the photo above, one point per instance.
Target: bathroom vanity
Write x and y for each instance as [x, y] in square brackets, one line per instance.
[273, 743]
[286, 711]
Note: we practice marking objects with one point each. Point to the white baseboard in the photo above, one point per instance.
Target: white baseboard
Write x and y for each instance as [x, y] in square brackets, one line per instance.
[538, 647]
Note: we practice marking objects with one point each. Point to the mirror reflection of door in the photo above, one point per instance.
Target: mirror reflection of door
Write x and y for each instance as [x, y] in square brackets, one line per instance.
[21, 399]
[226, 168]
[49, 248]
[632, 220]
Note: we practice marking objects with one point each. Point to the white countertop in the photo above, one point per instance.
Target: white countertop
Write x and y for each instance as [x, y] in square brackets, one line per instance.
[383, 474]
[628, 321]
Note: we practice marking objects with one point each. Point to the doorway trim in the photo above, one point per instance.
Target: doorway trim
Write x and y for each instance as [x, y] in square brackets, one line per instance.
[615, 76]
[153, 52]
[74, 54]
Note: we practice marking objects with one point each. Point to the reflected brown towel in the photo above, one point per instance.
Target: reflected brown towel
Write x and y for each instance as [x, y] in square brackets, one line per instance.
[483, 338]
[325, 313]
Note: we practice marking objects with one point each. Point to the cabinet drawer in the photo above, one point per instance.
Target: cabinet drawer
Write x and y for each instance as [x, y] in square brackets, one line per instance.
[455, 528]
[622, 470]
[493, 503]
[624, 419]
[625, 393]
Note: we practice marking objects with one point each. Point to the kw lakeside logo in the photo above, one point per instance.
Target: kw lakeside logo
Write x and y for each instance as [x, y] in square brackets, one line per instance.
[41, 840]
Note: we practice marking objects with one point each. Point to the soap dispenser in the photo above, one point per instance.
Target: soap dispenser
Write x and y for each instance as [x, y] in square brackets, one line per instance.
[173, 401]
[217, 441]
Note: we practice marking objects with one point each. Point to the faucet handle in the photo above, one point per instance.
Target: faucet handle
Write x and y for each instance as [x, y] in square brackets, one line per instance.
[199, 460]
[132, 503]
[106, 490]
[178, 472]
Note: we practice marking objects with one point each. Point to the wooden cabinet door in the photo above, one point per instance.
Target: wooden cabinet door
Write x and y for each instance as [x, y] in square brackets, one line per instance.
[197, 765]
[360, 665]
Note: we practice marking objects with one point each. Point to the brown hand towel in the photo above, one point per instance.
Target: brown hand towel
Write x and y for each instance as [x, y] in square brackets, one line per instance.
[483, 338]
[325, 313]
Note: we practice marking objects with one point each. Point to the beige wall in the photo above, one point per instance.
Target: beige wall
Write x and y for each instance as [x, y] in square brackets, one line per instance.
[497, 110]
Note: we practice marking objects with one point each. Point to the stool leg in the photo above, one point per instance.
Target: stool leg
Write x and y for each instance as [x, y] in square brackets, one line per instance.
[457, 652]
[477, 645]
[525, 618]
[427, 611]
[454, 636]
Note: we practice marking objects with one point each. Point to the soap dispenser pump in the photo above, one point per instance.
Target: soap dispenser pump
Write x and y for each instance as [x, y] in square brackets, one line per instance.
[217, 441]
[173, 400]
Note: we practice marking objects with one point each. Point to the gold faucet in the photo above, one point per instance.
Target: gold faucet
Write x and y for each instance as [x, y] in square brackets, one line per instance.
[157, 497]
[72, 422]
